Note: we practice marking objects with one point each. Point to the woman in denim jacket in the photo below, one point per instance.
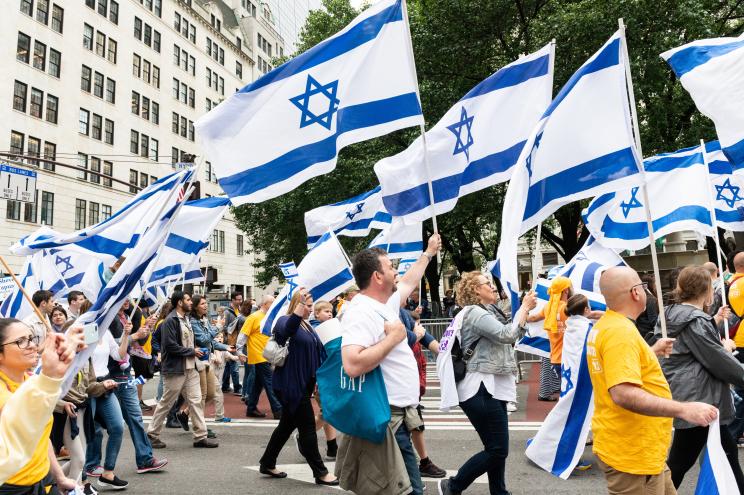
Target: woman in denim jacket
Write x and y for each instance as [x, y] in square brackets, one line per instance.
[489, 382]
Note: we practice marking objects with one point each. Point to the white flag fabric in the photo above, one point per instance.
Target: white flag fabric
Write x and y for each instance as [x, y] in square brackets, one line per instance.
[289, 125]
[445, 372]
[15, 305]
[475, 144]
[405, 264]
[712, 71]
[325, 272]
[618, 219]
[400, 240]
[728, 189]
[718, 480]
[560, 442]
[582, 147]
[354, 217]
[289, 270]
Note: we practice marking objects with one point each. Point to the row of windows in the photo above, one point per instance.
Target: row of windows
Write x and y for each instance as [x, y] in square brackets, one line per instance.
[31, 210]
[215, 51]
[107, 8]
[91, 171]
[154, 6]
[264, 45]
[95, 126]
[183, 93]
[143, 69]
[100, 43]
[40, 60]
[182, 126]
[146, 34]
[215, 82]
[35, 102]
[249, 6]
[17, 140]
[263, 65]
[211, 104]
[142, 177]
[148, 110]
[216, 22]
[183, 26]
[217, 241]
[93, 82]
[143, 145]
[182, 59]
[91, 211]
[42, 13]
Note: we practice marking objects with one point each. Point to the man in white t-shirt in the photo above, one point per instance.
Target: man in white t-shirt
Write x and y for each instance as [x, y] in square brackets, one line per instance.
[374, 335]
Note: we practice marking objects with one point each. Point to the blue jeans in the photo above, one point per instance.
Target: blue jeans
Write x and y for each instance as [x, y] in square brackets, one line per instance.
[403, 437]
[249, 375]
[132, 413]
[262, 380]
[107, 413]
[231, 372]
[159, 394]
[490, 420]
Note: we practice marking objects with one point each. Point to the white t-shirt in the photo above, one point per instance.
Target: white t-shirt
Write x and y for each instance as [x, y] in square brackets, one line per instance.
[106, 347]
[501, 387]
[363, 324]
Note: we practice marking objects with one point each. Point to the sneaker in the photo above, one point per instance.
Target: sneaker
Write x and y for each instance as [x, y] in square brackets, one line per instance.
[583, 465]
[223, 420]
[155, 443]
[145, 407]
[431, 470]
[511, 406]
[97, 472]
[211, 434]
[114, 484]
[206, 443]
[89, 490]
[183, 419]
[255, 414]
[443, 487]
[154, 465]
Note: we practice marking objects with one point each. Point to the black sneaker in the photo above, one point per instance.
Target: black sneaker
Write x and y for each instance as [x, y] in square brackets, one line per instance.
[430, 470]
[183, 419]
[155, 464]
[89, 490]
[206, 443]
[156, 443]
[114, 484]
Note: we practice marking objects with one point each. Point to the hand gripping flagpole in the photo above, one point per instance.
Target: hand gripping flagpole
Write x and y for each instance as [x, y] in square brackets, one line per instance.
[714, 220]
[642, 170]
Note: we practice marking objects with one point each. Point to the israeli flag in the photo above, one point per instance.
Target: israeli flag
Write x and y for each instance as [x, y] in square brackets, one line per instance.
[325, 272]
[15, 305]
[400, 240]
[712, 71]
[582, 147]
[618, 219]
[289, 125]
[475, 145]
[718, 480]
[561, 440]
[405, 264]
[119, 232]
[354, 217]
[727, 189]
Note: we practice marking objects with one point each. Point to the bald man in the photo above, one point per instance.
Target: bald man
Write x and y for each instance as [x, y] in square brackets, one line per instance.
[633, 404]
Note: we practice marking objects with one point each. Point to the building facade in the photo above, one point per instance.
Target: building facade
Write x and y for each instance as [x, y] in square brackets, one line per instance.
[289, 17]
[109, 90]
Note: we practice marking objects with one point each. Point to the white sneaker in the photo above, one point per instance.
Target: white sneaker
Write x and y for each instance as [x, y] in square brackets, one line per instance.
[511, 406]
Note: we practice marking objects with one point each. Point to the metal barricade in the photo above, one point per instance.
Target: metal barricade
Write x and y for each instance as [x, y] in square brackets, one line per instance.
[436, 326]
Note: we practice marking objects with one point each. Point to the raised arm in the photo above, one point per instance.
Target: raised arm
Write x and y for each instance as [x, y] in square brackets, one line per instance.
[410, 280]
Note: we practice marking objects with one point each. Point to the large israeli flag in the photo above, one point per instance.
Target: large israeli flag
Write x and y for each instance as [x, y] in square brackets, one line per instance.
[727, 189]
[582, 147]
[400, 240]
[712, 71]
[475, 145]
[682, 201]
[325, 272]
[353, 217]
[289, 125]
[718, 480]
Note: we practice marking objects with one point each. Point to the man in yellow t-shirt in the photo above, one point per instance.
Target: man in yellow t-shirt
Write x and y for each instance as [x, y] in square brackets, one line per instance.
[251, 336]
[633, 404]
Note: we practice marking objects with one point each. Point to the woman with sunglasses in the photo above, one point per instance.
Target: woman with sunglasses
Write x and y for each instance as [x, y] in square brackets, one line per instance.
[19, 352]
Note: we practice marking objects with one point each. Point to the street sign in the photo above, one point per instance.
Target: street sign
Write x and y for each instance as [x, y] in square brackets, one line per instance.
[17, 184]
[178, 166]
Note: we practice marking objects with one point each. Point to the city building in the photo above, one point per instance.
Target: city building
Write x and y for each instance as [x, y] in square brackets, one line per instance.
[290, 16]
[108, 92]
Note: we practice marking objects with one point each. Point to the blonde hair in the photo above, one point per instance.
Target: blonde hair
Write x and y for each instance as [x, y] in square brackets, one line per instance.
[467, 289]
[296, 300]
[321, 305]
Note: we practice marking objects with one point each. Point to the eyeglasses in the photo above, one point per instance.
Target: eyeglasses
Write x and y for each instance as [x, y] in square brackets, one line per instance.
[642, 284]
[488, 283]
[24, 342]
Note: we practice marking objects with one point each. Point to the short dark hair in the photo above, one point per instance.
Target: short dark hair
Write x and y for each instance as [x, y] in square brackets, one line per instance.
[5, 323]
[234, 295]
[61, 310]
[364, 264]
[74, 294]
[246, 307]
[177, 297]
[41, 295]
[576, 305]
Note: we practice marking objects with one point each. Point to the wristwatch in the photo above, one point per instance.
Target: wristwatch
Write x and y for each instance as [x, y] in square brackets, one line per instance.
[428, 255]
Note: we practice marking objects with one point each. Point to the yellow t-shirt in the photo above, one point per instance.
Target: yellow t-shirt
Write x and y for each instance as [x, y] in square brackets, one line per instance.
[38, 467]
[628, 442]
[736, 301]
[256, 340]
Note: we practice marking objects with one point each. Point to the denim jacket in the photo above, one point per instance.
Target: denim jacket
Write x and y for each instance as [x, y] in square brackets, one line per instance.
[494, 353]
[204, 334]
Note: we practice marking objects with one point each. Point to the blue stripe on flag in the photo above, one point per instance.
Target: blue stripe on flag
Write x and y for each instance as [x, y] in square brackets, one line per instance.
[357, 199]
[293, 162]
[735, 154]
[210, 202]
[730, 216]
[688, 58]
[165, 272]
[404, 247]
[539, 343]
[180, 243]
[706, 484]
[511, 76]
[357, 225]
[273, 315]
[639, 230]
[361, 33]
[663, 163]
[60, 285]
[335, 281]
[587, 278]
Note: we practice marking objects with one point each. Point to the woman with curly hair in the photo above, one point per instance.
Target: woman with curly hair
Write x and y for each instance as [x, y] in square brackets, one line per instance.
[489, 382]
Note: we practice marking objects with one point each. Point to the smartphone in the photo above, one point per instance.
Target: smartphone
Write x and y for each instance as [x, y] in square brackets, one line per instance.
[90, 332]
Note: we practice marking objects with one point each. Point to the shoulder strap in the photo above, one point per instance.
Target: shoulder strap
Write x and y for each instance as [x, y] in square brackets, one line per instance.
[468, 353]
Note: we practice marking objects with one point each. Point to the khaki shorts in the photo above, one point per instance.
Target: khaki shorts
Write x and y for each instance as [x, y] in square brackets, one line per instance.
[619, 483]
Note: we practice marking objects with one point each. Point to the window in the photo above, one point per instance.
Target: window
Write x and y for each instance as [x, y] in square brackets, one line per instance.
[114, 12]
[184, 123]
[16, 143]
[91, 4]
[238, 70]
[134, 142]
[13, 211]
[108, 169]
[83, 166]
[183, 93]
[217, 243]
[156, 76]
[34, 149]
[108, 132]
[175, 88]
[47, 208]
[79, 214]
[146, 71]
[153, 149]
[147, 36]
[85, 79]
[177, 22]
[52, 109]
[174, 123]
[176, 55]
[133, 181]
[83, 121]
[29, 210]
[50, 153]
[95, 166]
[110, 90]
[192, 98]
[23, 49]
[42, 11]
[100, 44]
[96, 127]
[143, 181]
[105, 212]
[103, 7]
[174, 155]
[145, 108]
[222, 87]
[88, 37]
[58, 17]
[191, 130]
[144, 145]
[98, 84]
[27, 7]
[111, 51]
[135, 103]
[93, 213]
[136, 64]
[239, 246]
[155, 113]
[138, 28]
[37, 102]
[55, 62]
[39, 55]
[156, 41]
[19, 96]
[192, 33]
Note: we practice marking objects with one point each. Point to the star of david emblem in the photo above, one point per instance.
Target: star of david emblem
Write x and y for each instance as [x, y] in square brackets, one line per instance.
[320, 91]
[734, 190]
[529, 157]
[465, 125]
[64, 261]
[351, 214]
[566, 383]
[632, 203]
[292, 286]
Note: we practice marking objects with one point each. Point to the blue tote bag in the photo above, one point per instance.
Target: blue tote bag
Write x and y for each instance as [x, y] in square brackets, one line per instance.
[355, 406]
